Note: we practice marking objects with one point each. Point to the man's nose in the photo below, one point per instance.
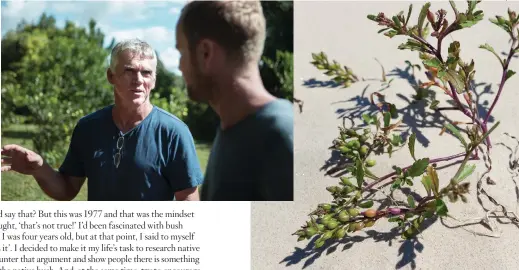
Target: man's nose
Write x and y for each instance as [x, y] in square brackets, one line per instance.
[139, 78]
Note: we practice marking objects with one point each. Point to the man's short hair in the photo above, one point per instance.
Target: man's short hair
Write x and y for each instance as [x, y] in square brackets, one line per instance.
[238, 26]
[136, 46]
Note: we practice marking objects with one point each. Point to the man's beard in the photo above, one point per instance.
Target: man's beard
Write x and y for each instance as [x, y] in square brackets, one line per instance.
[201, 90]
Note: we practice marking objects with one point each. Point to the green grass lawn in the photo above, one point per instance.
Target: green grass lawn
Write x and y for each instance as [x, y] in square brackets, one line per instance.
[18, 187]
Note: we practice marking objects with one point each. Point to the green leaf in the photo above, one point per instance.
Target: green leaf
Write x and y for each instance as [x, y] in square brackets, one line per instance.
[453, 5]
[359, 173]
[416, 223]
[427, 183]
[387, 119]
[428, 214]
[412, 139]
[382, 30]
[489, 48]
[409, 182]
[396, 140]
[372, 17]
[391, 33]
[469, 23]
[394, 219]
[396, 184]
[465, 172]
[411, 201]
[434, 104]
[368, 119]
[397, 22]
[433, 62]
[368, 173]
[412, 45]
[418, 167]
[390, 150]
[431, 172]
[509, 74]
[423, 15]
[441, 208]
[472, 5]
[393, 111]
[457, 133]
[456, 80]
[409, 13]
[366, 204]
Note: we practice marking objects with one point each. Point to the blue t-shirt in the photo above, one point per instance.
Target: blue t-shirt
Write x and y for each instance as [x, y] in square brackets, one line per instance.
[254, 159]
[158, 157]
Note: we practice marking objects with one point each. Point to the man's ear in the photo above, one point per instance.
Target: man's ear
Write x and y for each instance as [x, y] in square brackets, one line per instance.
[110, 76]
[206, 54]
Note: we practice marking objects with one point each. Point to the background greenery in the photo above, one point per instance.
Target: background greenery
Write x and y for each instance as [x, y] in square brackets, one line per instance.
[53, 76]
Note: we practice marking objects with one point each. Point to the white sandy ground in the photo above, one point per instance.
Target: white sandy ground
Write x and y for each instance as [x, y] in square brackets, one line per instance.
[342, 30]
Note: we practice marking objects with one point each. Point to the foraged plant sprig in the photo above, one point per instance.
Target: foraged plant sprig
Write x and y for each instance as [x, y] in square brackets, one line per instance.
[341, 74]
[351, 209]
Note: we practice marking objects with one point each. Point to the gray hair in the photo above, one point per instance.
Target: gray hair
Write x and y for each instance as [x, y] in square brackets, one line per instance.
[134, 45]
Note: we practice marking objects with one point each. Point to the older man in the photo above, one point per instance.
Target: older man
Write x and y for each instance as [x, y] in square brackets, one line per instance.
[131, 150]
[220, 43]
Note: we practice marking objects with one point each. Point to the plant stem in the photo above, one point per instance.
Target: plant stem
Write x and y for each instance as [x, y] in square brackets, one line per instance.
[503, 79]
[394, 173]
[447, 108]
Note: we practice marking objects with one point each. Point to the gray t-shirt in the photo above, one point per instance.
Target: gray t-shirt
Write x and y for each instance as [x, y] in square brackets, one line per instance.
[253, 160]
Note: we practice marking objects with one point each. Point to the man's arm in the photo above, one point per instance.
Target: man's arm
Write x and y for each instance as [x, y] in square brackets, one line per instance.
[190, 194]
[276, 175]
[57, 185]
[183, 170]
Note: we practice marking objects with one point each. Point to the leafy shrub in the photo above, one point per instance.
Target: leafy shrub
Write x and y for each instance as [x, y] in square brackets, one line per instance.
[351, 210]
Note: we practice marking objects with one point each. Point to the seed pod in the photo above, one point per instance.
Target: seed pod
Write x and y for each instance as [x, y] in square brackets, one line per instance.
[395, 211]
[347, 83]
[370, 163]
[364, 150]
[321, 227]
[332, 224]
[331, 189]
[346, 181]
[300, 232]
[343, 216]
[351, 132]
[370, 223]
[359, 226]
[347, 190]
[319, 243]
[354, 144]
[327, 235]
[353, 212]
[370, 213]
[310, 231]
[363, 138]
[340, 233]
[430, 17]
[344, 149]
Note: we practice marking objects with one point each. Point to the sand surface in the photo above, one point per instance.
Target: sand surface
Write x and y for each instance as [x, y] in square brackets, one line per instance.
[342, 30]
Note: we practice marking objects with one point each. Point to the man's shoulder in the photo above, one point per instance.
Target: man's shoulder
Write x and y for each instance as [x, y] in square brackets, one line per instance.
[169, 121]
[94, 117]
[278, 116]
